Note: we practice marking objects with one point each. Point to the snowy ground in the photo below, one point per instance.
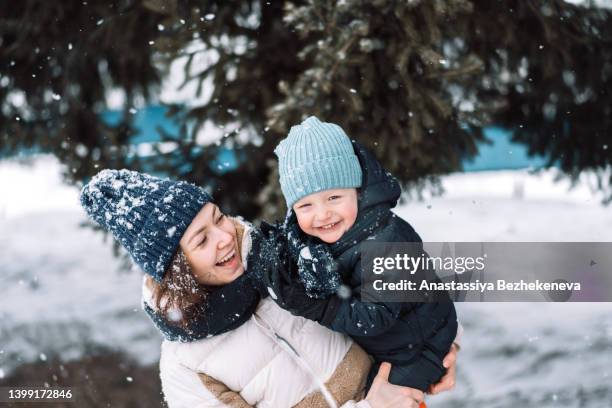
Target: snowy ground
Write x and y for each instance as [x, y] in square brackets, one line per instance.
[62, 291]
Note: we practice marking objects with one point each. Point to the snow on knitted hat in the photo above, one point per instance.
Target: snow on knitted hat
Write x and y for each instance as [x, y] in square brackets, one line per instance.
[147, 215]
[316, 156]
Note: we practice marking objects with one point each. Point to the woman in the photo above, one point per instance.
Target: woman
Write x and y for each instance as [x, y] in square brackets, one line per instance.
[229, 347]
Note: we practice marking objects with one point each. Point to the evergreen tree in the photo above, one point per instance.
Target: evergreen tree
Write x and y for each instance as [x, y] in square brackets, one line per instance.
[416, 81]
[57, 60]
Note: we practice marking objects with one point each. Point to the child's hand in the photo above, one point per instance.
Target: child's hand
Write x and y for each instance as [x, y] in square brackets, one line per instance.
[317, 269]
[297, 301]
[265, 264]
[447, 382]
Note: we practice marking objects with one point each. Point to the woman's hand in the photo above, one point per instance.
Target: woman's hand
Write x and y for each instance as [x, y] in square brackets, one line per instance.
[383, 394]
[447, 382]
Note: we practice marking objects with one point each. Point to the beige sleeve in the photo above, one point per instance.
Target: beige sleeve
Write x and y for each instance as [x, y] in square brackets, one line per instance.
[346, 384]
[221, 392]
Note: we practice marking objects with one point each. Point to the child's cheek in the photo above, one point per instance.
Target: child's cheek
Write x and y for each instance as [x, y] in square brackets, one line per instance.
[305, 223]
[353, 215]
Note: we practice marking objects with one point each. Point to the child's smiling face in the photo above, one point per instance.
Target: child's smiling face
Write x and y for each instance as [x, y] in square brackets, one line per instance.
[327, 214]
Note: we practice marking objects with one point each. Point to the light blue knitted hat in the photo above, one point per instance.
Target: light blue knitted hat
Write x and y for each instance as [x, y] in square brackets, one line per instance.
[316, 156]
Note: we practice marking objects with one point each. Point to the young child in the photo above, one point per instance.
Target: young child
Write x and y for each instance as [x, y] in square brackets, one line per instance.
[339, 196]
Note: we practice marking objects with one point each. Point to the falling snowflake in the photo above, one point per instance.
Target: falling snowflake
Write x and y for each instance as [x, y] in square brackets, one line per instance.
[171, 232]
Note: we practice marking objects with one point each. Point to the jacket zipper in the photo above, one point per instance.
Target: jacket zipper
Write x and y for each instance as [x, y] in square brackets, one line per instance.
[285, 345]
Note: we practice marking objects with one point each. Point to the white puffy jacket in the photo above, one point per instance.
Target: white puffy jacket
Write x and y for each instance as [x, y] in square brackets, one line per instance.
[274, 359]
[255, 365]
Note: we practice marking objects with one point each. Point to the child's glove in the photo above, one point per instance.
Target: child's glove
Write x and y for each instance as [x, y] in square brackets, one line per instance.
[266, 260]
[294, 298]
[316, 268]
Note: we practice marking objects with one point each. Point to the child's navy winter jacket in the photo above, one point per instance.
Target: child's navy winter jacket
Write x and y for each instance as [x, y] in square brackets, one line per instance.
[414, 337]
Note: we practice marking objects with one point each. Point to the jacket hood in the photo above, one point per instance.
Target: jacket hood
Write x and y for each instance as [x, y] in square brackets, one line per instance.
[378, 186]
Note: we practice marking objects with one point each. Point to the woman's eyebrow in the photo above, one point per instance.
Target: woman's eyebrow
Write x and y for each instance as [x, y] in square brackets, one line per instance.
[203, 229]
[198, 232]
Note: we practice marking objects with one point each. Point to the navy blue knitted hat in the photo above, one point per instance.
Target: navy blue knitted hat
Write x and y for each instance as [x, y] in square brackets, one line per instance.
[147, 215]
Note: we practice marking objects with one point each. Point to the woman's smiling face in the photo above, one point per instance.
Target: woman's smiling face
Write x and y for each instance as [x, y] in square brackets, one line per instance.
[210, 245]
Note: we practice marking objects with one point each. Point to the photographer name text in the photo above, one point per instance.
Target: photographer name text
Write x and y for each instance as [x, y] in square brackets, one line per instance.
[476, 286]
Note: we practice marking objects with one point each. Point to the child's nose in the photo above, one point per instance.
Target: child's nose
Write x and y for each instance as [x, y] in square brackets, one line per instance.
[323, 214]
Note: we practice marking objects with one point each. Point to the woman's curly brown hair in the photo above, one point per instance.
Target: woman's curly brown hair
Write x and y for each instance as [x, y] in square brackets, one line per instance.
[179, 297]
